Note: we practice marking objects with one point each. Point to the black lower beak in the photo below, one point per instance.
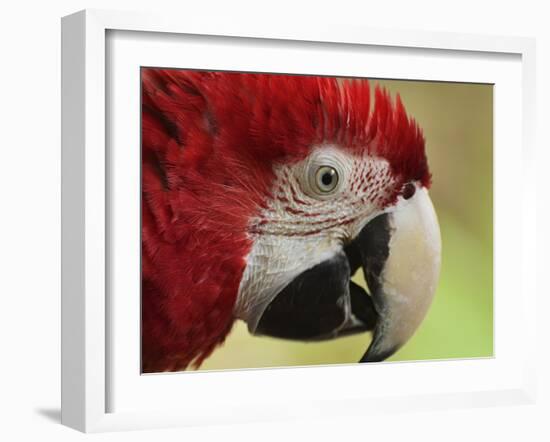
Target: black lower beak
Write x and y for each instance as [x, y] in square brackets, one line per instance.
[322, 302]
[319, 304]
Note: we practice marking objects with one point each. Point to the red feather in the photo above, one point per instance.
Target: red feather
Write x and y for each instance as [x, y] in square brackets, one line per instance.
[209, 142]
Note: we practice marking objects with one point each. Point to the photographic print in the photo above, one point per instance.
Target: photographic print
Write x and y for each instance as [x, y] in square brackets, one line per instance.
[295, 220]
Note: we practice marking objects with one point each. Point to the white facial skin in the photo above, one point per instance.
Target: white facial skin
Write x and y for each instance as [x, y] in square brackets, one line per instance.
[307, 221]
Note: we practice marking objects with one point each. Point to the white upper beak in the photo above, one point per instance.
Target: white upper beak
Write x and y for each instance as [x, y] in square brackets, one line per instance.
[405, 288]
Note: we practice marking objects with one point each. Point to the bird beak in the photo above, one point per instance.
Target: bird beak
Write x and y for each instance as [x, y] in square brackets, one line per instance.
[400, 255]
[401, 259]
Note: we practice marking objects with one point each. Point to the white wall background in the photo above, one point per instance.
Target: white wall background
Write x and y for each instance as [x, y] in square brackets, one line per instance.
[30, 216]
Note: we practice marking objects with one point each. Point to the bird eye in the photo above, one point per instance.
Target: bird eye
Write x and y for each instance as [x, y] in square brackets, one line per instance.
[324, 174]
[326, 179]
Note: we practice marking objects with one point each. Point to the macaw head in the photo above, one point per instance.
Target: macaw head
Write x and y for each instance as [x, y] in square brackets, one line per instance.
[263, 195]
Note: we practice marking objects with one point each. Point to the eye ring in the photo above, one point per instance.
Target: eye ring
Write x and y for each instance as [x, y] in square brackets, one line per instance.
[326, 179]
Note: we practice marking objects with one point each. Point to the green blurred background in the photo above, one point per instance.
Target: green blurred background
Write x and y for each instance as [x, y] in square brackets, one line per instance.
[457, 120]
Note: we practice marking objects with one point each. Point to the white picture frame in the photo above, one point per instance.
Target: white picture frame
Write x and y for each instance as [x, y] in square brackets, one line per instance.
[88, 366]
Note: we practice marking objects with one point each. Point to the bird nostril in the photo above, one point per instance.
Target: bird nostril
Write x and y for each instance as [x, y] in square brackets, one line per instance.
[408, 191]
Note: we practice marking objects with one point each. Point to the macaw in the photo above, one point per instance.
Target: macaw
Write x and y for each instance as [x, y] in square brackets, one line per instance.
[262, 195]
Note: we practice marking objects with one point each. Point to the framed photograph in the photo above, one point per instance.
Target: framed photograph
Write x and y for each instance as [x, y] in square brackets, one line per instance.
[274, 222]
